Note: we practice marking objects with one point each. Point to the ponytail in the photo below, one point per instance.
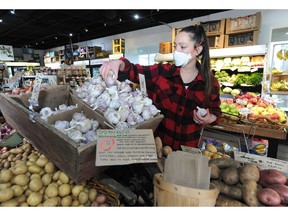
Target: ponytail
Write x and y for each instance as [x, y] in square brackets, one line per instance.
[198, 36]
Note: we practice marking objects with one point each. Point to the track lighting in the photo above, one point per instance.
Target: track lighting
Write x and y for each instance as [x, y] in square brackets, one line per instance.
[12, 11]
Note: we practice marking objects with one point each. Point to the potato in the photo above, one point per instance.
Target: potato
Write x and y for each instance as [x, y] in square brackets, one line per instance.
[46, 179]
[22, 198]
[6, 194]
[101, 199]
[66, 201]
[35, 184]
[24, 204]
[5, 176]
[10, 203]
[34, 169]
[51, 202]
[76, 190]
[230, 175]
[249, 172]
[64, 190]
[231, 191]
[282, 190]
[83, 197]
[18, 190]
[5, 185]
[64, 178]
[55, 177]
[92, 194]
[223, 163]
[271, 176]
[34, 199]
[49, 168]
[215, 171]
[210, 147]
[35, 175]
[249, 193]
[20, 169]
[21, 179]
[51, 191]
[75, 203]
[269, 197]
[16, 151]
[41, 161]
[223, 201]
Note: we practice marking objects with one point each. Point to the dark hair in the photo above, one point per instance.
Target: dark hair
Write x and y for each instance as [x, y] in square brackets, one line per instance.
[199, 38]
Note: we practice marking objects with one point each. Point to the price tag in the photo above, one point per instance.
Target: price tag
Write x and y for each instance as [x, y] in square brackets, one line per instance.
[121, 147]
[142, 83]
[191, 149]
[245, 110]
[262, 162]
[35, 92]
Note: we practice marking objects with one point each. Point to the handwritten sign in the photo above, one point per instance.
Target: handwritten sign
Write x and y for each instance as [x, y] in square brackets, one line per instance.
[262, 162]
[122, 147]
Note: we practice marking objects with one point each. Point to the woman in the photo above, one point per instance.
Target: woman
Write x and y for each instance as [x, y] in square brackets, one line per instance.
[177, 90]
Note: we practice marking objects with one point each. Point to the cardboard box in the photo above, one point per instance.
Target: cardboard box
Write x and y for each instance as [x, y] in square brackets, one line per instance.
[165, 47]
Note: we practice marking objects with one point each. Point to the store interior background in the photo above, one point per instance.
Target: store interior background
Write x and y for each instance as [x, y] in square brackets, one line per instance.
[142, 45]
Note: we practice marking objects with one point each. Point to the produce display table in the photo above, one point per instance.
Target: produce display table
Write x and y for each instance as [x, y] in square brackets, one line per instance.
[272, 135]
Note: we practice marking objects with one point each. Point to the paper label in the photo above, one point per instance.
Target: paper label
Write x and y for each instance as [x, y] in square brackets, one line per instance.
[191, 149]
[261, 161]
[142, 83]
[122, 147]
[35, 92]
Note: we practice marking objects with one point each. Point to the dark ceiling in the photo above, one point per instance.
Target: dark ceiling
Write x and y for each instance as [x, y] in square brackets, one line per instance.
[44, 29]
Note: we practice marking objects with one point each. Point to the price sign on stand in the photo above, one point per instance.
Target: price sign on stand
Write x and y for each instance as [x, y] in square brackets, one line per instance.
[122, 147]
[262, 162]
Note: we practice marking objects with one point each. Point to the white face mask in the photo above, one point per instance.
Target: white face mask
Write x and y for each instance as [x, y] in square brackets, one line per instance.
[181, 59]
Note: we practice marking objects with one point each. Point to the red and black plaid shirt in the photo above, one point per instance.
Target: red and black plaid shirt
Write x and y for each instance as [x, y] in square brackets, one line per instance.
[167, 90]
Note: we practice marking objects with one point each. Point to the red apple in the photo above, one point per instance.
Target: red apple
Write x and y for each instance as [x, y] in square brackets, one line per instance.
[275, 116]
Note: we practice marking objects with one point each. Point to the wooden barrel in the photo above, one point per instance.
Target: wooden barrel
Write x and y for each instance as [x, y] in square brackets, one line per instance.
[167, 194]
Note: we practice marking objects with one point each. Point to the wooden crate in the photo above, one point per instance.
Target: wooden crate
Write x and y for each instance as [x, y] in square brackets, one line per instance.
[214, 27]
[243, 24]
[78, 162]
[216, 41]
[241, 39]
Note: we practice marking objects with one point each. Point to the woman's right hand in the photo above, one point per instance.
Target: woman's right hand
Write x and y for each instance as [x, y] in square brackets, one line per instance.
[114, 66]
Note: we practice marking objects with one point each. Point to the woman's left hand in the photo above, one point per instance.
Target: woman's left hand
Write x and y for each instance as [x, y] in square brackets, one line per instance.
[207, 119]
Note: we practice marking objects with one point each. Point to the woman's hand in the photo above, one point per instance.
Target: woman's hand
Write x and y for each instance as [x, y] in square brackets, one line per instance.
[114, 65]
[205, 120]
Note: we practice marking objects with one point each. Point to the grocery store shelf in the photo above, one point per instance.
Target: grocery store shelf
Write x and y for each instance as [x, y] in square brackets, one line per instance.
[278, 92]
[238, 51]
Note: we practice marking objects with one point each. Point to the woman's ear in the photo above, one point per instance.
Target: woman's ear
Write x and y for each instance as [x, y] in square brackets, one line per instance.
[199, 50]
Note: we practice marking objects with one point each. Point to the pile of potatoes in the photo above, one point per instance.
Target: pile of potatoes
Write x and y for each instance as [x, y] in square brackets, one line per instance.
[212, 153]
[28, 178]
[247, 185]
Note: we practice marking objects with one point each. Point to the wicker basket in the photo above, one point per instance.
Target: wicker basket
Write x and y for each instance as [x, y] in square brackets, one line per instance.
[265, 122]
[112, 198]
[229, 118]
[167, 194]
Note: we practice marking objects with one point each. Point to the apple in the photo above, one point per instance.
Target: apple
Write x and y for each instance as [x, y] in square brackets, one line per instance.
[275, 116]
[253, 100]
[249, 105]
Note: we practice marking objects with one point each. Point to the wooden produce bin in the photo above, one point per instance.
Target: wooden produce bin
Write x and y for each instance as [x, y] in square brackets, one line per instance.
[77, 162]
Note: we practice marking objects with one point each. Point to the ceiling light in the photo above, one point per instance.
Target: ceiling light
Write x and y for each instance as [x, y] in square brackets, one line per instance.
[1, 20]
[120, 20]
[136, 16]
[36, 44]
[70, 34]
[56, 38]
[12, 11]
[105, 24]
[42, 41]
[86, 30]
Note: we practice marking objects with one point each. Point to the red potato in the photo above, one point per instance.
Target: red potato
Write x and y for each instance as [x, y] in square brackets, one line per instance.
[269, 197]
[271, 176]
[282, 190]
